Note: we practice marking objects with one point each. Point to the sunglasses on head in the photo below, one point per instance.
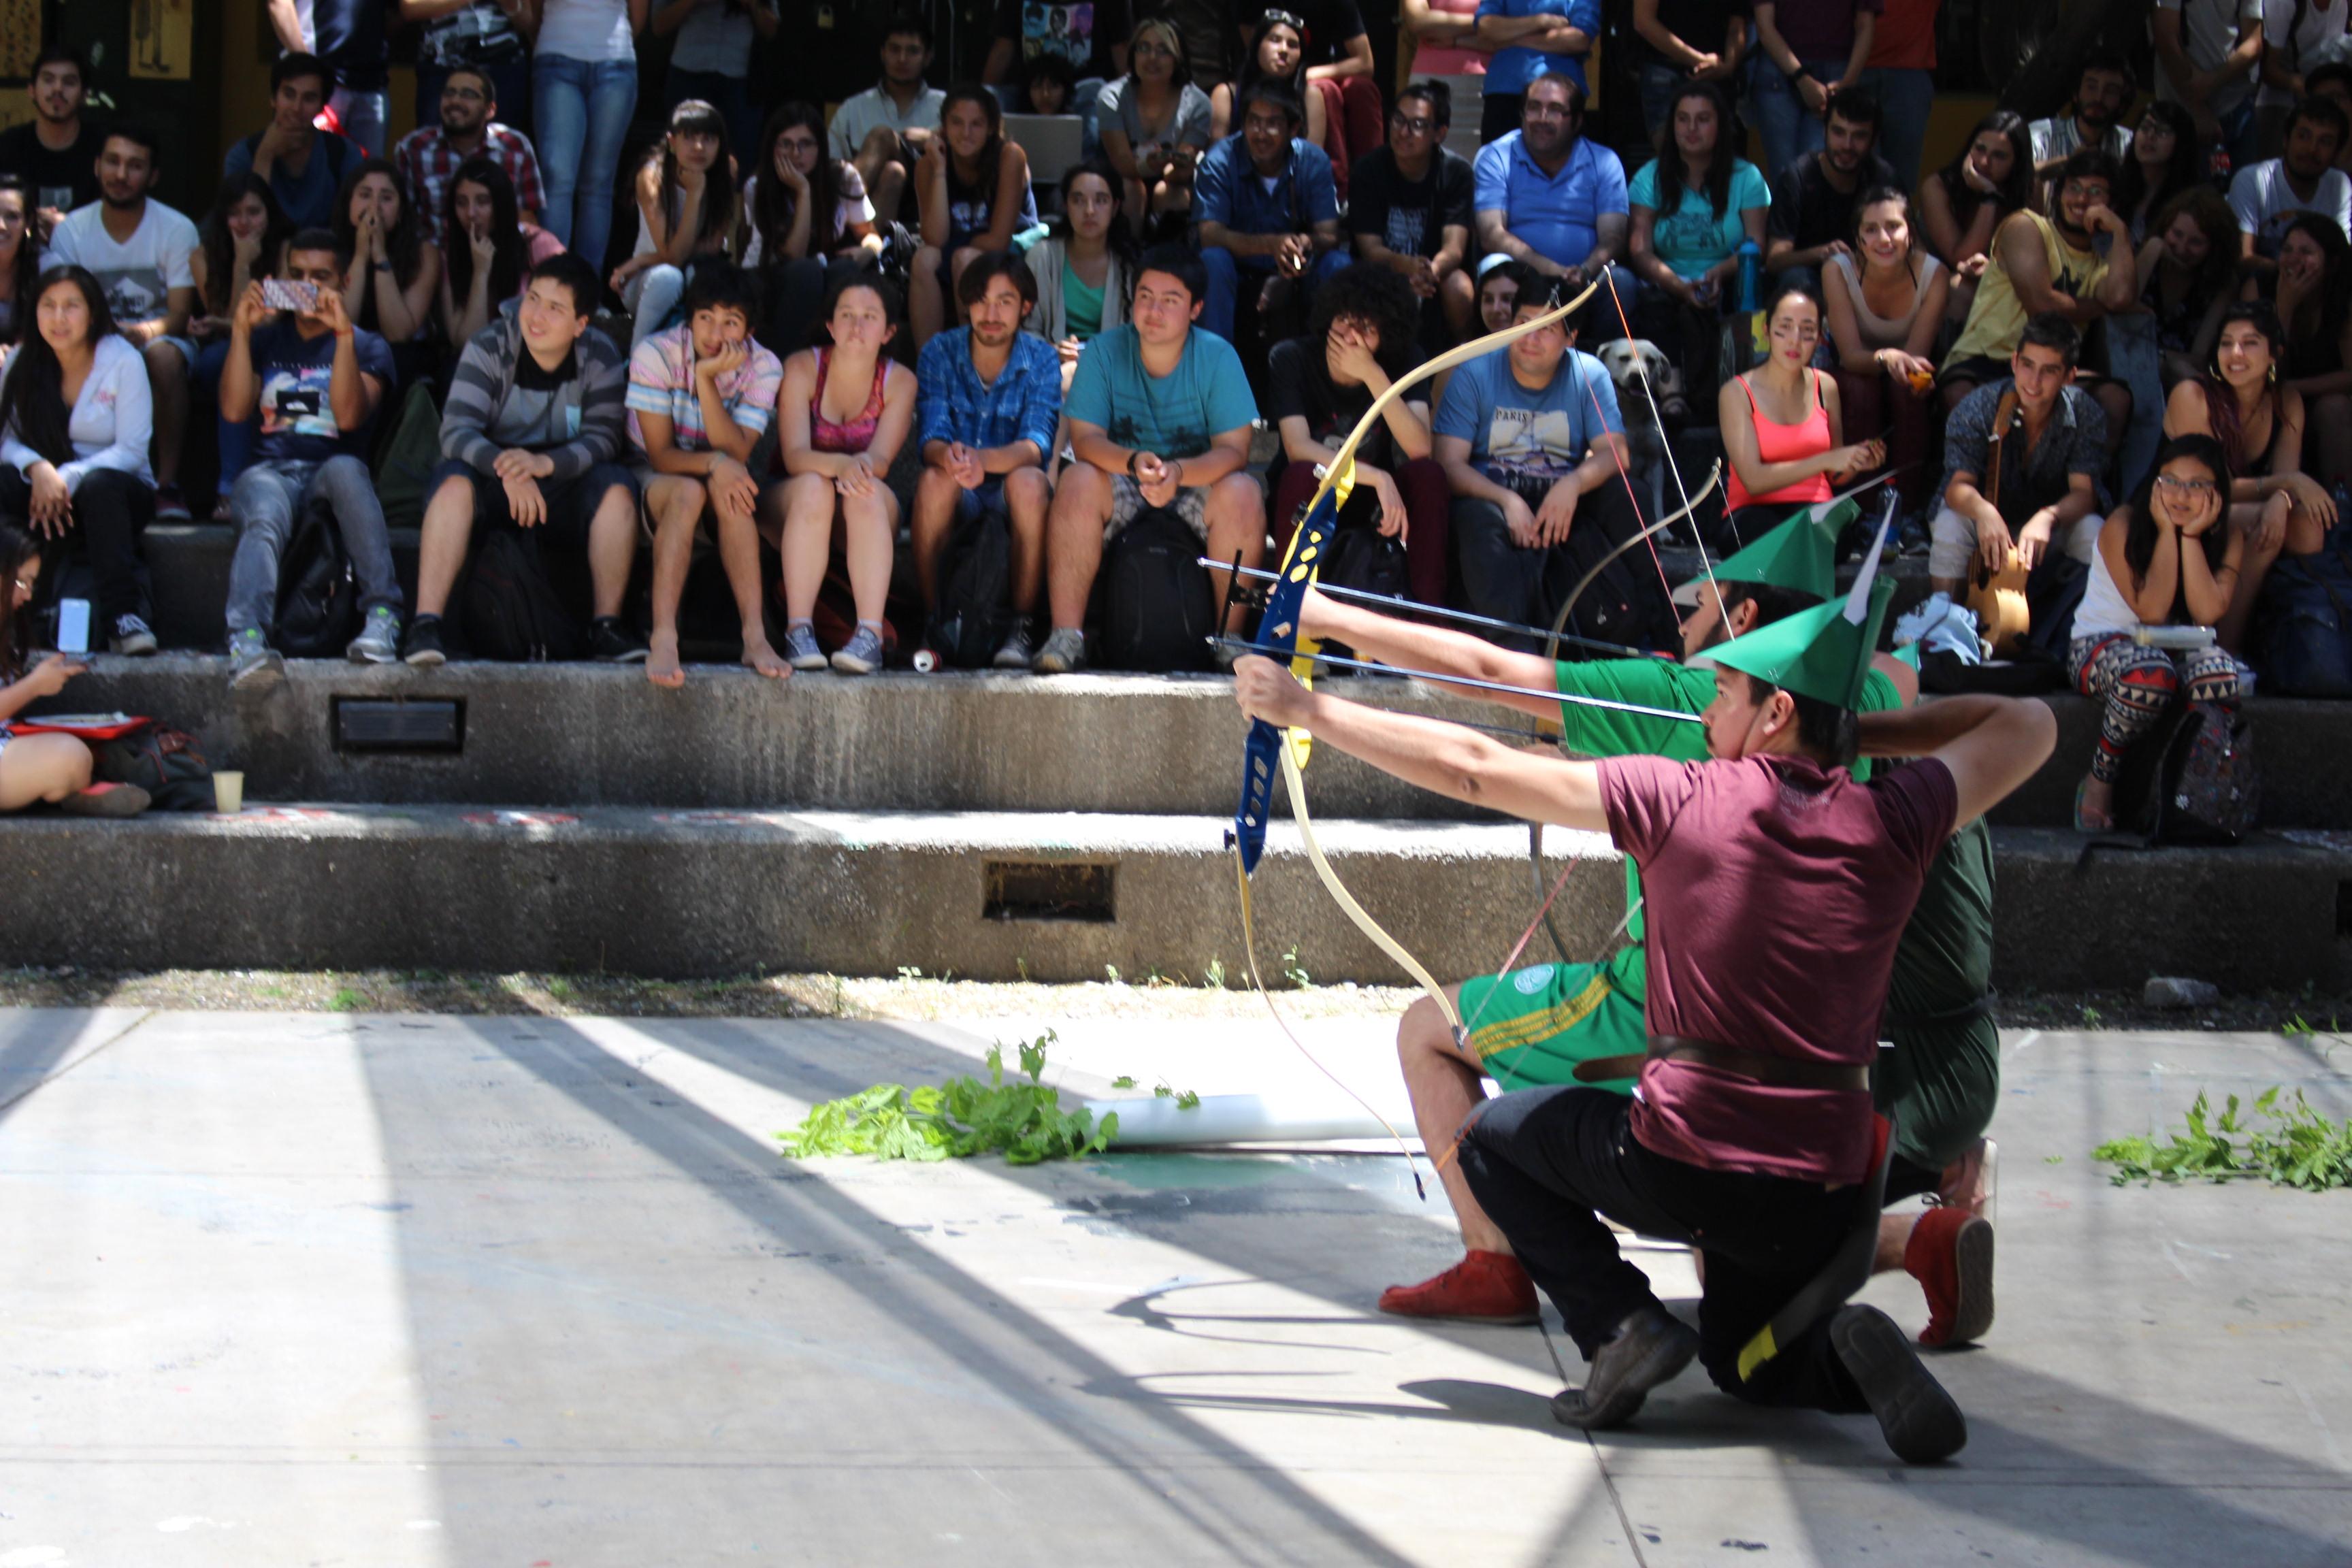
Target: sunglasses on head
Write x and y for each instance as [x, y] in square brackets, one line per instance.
[1286, 19]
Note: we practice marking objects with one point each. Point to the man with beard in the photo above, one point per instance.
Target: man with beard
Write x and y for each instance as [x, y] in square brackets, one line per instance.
[1812, 198]
[884, 129]
[427, 157]
[2047, 265]
[56, 152]
[1409, 210]
[139, 249]
[2267, 196]
[2102, 94]
[988, 398]
[1551, 196]
[1777, 890]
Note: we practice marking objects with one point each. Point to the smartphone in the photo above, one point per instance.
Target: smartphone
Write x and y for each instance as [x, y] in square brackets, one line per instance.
[279, 294]
[73, 626]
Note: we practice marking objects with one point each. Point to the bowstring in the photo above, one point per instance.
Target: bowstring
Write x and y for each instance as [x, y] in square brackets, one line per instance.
[1650, 394]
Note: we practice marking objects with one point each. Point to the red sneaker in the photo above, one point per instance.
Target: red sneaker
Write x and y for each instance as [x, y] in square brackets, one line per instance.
[1483, 1287]
[1951, 1254]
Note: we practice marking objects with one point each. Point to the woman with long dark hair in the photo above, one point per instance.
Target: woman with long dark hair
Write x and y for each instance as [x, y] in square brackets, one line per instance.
[687, 211]
[491, 250]
[2240, 402]
[1781, 424]
[1278, 49]
[1885, 302]
[2166, 160]
[49, 767]
[2313, 291]
[1155, 124]
[2190, 262]
[972, 189]
[1965, 201]
[240, 240]
[76, 419]
[2167, 557]
[20, 259]
[803, 211]
[393, 271]
[1084, 266]
[1696, 202]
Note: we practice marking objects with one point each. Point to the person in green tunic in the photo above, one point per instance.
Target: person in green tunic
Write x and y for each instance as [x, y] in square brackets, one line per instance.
[1563, 1023]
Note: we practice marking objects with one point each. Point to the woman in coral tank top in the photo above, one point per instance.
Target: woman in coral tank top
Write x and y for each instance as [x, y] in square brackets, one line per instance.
[1780, 425]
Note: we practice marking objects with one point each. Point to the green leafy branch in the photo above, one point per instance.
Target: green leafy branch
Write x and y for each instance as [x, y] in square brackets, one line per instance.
[1025, 1121]
[2297, 1147]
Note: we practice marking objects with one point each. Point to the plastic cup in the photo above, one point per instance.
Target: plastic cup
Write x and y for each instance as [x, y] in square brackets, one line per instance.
[228, 793]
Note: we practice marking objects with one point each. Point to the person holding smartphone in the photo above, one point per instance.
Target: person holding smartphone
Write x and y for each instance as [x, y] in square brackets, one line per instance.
[48, 767]
[315, 380]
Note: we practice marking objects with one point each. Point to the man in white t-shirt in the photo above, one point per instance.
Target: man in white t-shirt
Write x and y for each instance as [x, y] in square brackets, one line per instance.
[138, 251]
[2206, 55]
[2103, 90]
[2295, 38]
[884, 129]
[2267, 196]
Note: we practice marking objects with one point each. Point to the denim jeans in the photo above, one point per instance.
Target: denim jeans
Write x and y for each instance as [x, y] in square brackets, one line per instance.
[2135, 358]
[1906, 96]
[268, 504]
[1225, 280]
[363, 116]
[583, 109]
[1781, 118]
[1658, 85]
[509, 80]
[651, 296]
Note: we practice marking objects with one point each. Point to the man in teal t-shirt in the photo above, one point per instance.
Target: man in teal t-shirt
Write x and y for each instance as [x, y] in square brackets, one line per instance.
[1569, 1023]
[1160, 415]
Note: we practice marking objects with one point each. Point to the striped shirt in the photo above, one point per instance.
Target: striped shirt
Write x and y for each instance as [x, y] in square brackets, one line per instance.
[579, 422]
[661, 380]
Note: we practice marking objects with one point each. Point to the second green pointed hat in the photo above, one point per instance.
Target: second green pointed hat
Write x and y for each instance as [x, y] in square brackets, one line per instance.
[1798, 554]
[1820, 653]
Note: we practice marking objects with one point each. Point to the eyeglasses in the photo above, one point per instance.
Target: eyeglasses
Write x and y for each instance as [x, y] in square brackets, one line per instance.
[1418, 125]
[23, 586]
[465, 94]
[2195, 490]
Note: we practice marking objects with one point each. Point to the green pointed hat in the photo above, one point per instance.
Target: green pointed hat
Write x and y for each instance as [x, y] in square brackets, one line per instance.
[1823, 653]
[1798, 554]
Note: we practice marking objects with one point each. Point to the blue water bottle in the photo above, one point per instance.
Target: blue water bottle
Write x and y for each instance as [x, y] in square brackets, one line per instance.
[1751, 276]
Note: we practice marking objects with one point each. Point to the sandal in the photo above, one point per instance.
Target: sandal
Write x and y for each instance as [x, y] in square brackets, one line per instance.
[2082, 823]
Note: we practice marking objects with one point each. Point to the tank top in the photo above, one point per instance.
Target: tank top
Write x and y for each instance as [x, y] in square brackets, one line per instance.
[855, 433]
[2104, 610]
[1886, 331]
[1778, 443]
[1435, 60]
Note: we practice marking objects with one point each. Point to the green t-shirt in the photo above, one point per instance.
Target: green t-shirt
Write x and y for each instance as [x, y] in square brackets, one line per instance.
[1677, 688]
[1082, 308]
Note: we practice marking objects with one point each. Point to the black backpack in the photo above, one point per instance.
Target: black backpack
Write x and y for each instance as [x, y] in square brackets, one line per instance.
[318, 592]
[974, 613]
[2303, 623]
[1366, 560]
[1157, 609]
[2193, 781]
[512, 612]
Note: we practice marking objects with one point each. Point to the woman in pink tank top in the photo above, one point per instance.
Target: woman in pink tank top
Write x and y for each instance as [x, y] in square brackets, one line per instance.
[1781, 424]
[1442, 31]
[843, 413]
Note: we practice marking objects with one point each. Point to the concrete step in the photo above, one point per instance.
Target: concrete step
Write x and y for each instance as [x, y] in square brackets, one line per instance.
[586, 734]
[1044, 896]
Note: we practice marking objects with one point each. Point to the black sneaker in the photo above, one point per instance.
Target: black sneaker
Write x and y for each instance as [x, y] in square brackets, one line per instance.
[422, 647]
[1651, 1346]
[613, 641]
[1921, 1422]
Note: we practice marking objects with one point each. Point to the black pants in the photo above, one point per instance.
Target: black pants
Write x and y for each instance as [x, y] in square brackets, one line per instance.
[1498, 115]
[110, 511]
[1627, 604]
[1541, 1160]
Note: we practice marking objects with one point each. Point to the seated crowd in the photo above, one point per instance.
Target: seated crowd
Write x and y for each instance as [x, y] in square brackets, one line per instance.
[1249, 244]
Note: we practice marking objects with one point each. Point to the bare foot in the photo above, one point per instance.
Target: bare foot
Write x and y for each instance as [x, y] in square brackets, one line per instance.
[765, 659]
[662, 667]
[2095, 805]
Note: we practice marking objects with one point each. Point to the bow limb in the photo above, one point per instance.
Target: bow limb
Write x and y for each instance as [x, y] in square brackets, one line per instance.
[1297, 783]
[1339, 473]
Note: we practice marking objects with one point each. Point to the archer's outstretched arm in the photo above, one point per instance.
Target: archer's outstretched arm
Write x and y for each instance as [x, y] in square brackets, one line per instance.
[1992, 744]
[1445, 758]
[1432, 654]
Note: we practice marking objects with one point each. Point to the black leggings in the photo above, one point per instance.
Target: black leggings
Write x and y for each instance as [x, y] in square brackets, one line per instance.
[110, 511]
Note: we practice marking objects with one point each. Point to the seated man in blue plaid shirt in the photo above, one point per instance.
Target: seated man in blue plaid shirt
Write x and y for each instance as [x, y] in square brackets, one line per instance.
[988, 398]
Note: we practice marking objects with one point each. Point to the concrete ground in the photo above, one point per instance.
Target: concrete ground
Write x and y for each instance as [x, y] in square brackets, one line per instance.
[291, 1288]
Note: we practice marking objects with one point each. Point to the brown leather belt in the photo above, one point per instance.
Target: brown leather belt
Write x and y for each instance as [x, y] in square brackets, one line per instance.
[1777, 1072]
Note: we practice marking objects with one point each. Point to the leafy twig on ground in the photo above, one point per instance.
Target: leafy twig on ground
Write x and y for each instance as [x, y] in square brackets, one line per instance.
[962, 1117]
[2299, 1148]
